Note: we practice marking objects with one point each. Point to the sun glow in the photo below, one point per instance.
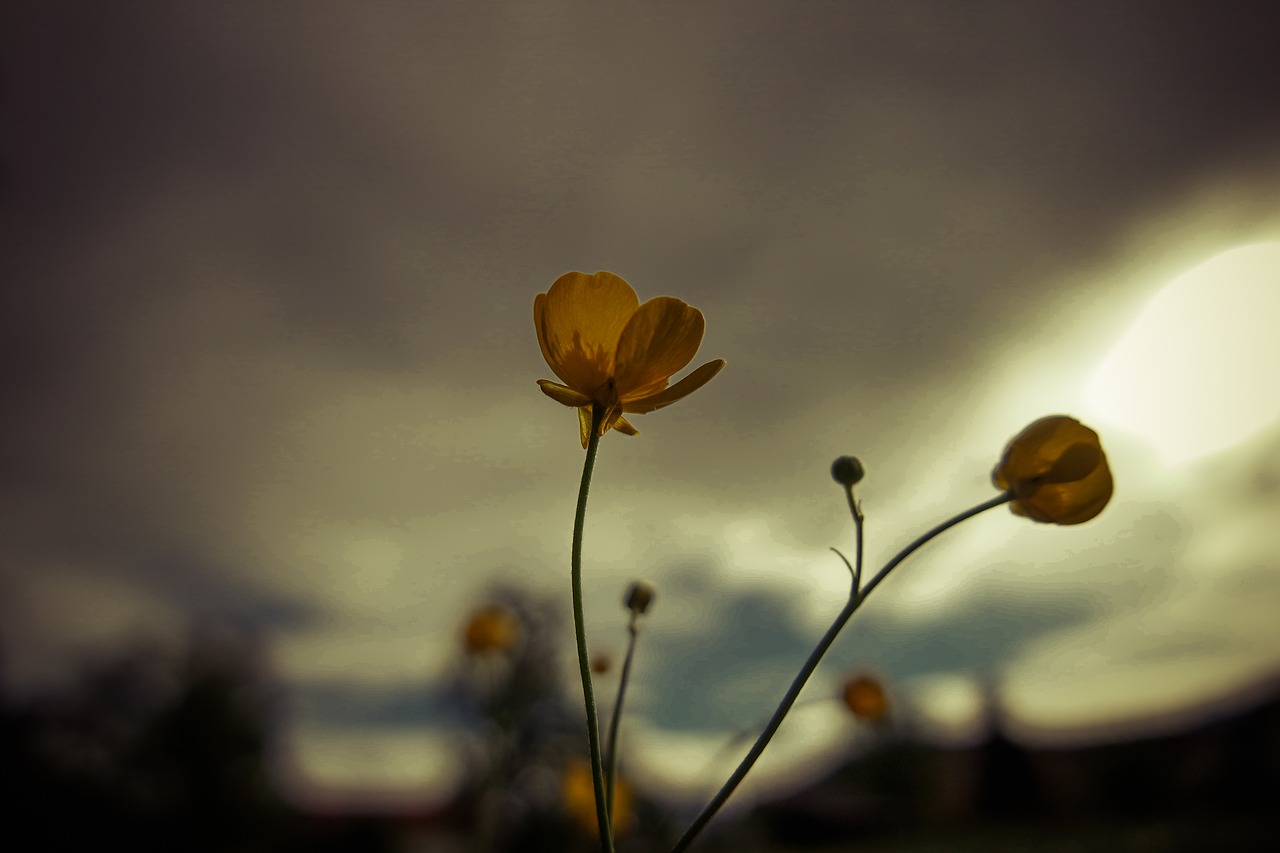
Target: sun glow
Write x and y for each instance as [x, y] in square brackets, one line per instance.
[1195, 372]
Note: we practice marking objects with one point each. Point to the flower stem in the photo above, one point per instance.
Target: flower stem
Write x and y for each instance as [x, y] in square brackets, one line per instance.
[855, 509]
[611, 749]
[793, 692]
[580, 634]
[856, 598]
[1002, 498]
[738, 736]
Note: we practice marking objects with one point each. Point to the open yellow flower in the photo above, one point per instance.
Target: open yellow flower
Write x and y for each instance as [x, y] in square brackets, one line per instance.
[491, 629]
[610, 351]
[1056, 471]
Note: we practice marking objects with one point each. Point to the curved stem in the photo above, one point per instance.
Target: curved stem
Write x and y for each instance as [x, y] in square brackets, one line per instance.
[738, 736]
[855, 599]
[793, 692]
[855, 509]
[611, 748]
[580, 634]
[1002, 498]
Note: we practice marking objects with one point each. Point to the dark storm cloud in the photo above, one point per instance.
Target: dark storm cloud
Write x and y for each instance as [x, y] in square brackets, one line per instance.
[915, 170]
[967, 158]
[268, 271]
[342, 703]
[750, 647]
[753, 650]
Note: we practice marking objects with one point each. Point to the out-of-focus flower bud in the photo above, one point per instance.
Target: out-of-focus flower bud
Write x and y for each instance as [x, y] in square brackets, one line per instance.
[639, 596]
[865, 698]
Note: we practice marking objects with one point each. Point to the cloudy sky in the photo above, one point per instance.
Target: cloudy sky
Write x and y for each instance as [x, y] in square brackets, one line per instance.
[269, 361]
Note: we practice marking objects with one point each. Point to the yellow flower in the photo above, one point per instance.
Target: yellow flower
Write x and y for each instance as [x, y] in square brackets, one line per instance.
[865, 698]
[610, 351]
[1056, 471]
[578, 797]
[492, 628]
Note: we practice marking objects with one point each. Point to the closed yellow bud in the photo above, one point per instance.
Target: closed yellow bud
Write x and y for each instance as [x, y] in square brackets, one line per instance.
[1056, 471]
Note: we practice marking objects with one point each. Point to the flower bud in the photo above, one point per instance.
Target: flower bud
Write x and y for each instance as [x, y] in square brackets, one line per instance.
[1056, 471]
[865, 698]
[639, 596]
[847, 471]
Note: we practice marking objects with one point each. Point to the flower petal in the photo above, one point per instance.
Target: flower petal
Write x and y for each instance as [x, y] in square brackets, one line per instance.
[1076, 463]
[1068, 503]
[539, 310]
[563, 394]
[584, 425]
[624, 426]
[579, 322]
[661, 337]
[681, 389]
[1034, 451]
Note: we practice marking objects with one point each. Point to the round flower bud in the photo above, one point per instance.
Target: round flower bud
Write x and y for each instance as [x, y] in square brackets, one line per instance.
[847, 471]
[639, 596]
[865, 698]
[1056, 471]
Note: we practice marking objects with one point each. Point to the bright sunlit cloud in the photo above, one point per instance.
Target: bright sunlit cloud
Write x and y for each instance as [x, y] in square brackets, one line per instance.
[376, 765]
[693, 764]
[1195, 373]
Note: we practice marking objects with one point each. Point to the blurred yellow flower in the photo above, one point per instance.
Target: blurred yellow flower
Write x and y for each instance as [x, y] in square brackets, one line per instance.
[865, 698]
[578, 796]
[611, 351]
[1056, 471]
[492, 628]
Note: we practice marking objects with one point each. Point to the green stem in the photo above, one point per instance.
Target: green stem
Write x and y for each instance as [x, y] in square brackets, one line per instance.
[740, 735]
[1002, 498]
[580, 634]
[855, 509]
[855, 599]
[611, 754]
[793, 692]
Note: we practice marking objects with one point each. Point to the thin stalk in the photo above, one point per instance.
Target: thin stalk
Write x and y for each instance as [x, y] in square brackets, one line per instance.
[1002, 498]
[856, 598]
[740, 735]
[855, 509]
[611, 749]
[793, 692]
[580, 634]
